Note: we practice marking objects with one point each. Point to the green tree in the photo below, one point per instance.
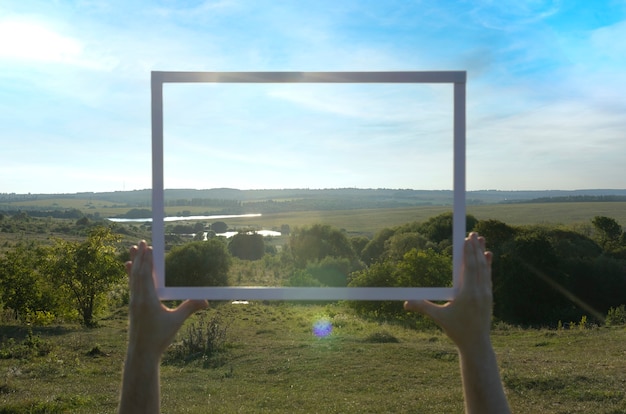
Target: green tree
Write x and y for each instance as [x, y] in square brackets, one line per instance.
[375, 249]
[495, 232]
[417, 268]
[247, 246]
[317, 242]
[302, 278]
[401, 243]
[219, 227]
[87, 270]
[330, 271]
[358, 244]
[198, 263]
[439, 228]
[379, 274]
[425, 268]
[609, 232]
[22, 286]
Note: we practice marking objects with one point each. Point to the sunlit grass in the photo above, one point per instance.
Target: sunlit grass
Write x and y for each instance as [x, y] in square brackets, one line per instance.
[273, 362]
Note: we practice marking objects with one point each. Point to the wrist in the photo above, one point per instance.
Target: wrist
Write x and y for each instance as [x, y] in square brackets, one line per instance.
[477, 347]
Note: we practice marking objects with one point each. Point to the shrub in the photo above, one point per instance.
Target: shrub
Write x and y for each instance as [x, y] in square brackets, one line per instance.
[616, 316]
[199, 263]
[30, 347]
[40, 318]
[202, 339]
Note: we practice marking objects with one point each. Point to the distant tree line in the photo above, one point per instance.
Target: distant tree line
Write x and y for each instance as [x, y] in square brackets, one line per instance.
[570, 199]
[61, 213]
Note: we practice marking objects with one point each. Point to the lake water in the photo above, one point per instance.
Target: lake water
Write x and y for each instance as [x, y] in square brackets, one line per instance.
[264, 233]
[182, 218]
[228, 234]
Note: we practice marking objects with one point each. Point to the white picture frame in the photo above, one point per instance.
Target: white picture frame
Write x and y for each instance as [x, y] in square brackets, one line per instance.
[457, 78]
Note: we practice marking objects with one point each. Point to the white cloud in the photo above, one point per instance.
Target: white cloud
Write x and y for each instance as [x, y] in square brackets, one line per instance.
[30, 40]
[508, 15]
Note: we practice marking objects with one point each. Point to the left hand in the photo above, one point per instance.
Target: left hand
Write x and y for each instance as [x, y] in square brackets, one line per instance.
[153, 326]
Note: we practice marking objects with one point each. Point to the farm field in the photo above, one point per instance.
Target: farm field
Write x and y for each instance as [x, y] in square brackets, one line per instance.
[370, 221]
[271, 362]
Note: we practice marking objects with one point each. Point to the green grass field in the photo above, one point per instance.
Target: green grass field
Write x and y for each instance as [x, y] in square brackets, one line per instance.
[273, 363]
[371, 220]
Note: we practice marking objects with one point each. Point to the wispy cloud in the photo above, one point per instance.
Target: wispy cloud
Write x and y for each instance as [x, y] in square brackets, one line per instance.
[545, 92]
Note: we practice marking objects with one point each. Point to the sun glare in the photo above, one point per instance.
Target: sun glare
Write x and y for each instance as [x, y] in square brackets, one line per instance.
[31, 41]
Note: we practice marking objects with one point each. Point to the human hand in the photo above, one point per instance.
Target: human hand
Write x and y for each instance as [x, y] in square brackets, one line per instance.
[152, 325]
[467, 318]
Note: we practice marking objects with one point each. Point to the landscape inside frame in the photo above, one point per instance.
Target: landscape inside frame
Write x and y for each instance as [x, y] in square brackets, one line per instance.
[357, 136]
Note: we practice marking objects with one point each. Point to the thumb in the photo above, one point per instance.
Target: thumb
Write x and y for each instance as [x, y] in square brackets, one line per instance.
[425, 307]
[188, 307]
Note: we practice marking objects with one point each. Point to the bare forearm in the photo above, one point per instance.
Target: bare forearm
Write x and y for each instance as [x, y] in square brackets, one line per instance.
[482, 386]
[140, 385]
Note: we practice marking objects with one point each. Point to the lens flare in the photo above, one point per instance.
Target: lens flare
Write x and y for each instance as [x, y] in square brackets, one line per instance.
[322, 328]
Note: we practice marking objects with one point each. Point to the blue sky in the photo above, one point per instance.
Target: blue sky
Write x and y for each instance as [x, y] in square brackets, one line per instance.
[546, 94]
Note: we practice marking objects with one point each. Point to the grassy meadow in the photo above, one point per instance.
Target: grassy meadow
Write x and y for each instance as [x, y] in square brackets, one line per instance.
[271, 362]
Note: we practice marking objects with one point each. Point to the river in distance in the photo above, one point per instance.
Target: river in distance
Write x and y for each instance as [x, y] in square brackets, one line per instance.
[228, 234]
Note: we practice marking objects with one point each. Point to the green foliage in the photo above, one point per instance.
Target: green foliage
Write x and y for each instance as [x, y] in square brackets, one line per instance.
[59, 405]
[247, 246]
[198, 263]
[328, 272]
[86, 270]
[379, 274]
[219, 227]
[23, 287]
[495, 232]
[616, 316]
[317, 242]
[546, 274]
[40, 318]
[608, 230]
[401, 243]
[302, 278]
[32, 346]
[358, 243]
[439, 228]
[203, 338]
[375, 249]
[425, 268]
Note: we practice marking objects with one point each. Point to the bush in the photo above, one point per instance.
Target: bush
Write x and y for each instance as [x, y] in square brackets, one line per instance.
[202, 263]
[39, 318]
[202, 339]
[30, 347]
[302, 278]
[616, 316]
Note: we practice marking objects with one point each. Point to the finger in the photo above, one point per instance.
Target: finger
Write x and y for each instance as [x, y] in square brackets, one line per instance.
[189, 307]
[133, 252]
[186, 309]
[427, 308]
[489, 257]
[421, 306]
[142, 282]
[482, 241]
[470, 249]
